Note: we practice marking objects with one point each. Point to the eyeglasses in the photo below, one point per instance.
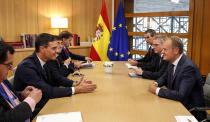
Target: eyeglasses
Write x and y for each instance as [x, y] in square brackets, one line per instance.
[155, 45]
[147, 37]
[9, 66]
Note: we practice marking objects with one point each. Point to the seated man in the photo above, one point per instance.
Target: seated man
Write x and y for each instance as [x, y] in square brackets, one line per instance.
[14, 107]
[33, 71]
[148, 62]
[160, 65]
[182, 78]
[55, 67]
[65, 54]
[64, 66]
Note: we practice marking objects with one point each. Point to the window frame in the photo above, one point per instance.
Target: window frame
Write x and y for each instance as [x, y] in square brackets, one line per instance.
[128, 6]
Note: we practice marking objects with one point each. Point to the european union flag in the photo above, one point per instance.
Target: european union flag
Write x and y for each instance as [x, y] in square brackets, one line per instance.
[118, 49]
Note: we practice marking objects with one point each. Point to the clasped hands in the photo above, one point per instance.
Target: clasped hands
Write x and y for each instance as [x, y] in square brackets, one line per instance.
[34, 93]
[84, 86]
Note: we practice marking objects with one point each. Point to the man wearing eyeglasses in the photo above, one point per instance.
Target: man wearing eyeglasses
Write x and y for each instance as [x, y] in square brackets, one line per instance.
[148, 62]
[160, 65]
[14, 107]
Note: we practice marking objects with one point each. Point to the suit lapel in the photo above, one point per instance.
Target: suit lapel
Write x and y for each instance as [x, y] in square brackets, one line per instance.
[178, 68]
[38, 64]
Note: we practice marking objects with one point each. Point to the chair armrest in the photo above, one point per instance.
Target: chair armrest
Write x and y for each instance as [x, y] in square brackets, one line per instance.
[199, 109]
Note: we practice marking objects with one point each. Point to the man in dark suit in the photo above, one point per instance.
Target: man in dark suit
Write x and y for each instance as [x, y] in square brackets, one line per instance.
[160, 64]
[148, 62]
[14, 107]
[64, 67]
[33, 71]
[65, 54]
[182, 78]
[58, 69]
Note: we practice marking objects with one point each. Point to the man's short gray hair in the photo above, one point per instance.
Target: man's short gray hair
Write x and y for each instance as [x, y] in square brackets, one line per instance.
[162, 38]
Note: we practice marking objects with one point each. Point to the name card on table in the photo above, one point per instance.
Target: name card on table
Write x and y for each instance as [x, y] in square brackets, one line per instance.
[186, 119]
[61, 117]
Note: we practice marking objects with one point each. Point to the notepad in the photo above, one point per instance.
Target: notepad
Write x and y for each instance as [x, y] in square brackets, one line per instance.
[186, 119]
[134, 75]
[61, 117]
[130, 66]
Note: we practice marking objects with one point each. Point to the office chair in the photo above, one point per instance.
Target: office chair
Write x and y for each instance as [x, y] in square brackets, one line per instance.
[206, 90]
[11, 79]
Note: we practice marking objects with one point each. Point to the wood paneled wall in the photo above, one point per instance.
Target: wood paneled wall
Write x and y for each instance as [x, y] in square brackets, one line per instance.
[201, 31]
[16, 17]
[33, 16]
[205, 44]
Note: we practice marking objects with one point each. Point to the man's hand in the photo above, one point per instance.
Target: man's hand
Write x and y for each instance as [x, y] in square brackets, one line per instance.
[132, 62]
[36, 95]
[138, 71]
[67, 61]
[77, 65]
[77, 72]
[78, 82]
[85, 86]
[88, 59]
[27, 91]
[153, 87]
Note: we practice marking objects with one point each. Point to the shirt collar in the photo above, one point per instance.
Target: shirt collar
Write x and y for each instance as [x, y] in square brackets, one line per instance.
[41, 61]
[177, 60]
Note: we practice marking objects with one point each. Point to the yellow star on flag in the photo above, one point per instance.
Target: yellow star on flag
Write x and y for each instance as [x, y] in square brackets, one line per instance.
[129, 52]
[114, 28]
[110, 49]
[116, 54]
[120, 25]
[122, 55]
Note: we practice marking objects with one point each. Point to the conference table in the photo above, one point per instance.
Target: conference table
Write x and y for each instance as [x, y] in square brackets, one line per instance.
[118, 98]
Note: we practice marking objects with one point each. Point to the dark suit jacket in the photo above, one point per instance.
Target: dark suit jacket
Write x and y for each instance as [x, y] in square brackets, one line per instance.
[148, 62]
[30, 73]
[64, 55]
[57, 78]
[64, 71]
[185, 86]
[160, 68]
[20, 113]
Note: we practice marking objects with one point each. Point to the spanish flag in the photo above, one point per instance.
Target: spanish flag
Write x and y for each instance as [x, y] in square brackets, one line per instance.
[102, 36]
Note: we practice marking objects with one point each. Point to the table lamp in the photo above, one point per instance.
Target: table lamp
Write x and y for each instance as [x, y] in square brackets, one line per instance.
[59, 23]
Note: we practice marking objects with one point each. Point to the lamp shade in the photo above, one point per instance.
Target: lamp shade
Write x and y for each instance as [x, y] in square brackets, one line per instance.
[175, 1]
[59, 22]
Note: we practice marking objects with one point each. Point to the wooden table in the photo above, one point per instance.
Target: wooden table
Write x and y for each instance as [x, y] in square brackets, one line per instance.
[118, 98]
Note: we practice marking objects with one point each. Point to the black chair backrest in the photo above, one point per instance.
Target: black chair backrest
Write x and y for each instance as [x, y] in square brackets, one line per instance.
[206, 90]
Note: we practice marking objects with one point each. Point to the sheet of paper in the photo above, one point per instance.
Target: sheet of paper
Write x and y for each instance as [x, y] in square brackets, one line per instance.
[130, 67]
[61, 117]
[88, 65]
[186, 119]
